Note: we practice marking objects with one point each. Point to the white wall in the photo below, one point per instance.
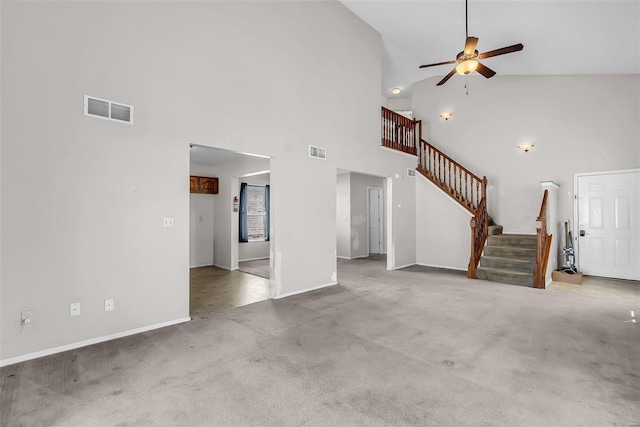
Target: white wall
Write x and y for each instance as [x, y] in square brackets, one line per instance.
[401, 221]
[343, 215]
[94, 230]
[443, 234]
[201, 222]
[578, 124]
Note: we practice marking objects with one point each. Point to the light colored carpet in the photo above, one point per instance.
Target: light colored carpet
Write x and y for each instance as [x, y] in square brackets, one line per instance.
[408, 347]
[257, 267]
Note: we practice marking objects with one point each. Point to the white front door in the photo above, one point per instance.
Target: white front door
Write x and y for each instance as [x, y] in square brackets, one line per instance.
[608, 224]
[375, 220]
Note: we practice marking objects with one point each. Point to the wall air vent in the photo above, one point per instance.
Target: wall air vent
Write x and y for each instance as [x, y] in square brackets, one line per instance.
[411, 172]
[105, 109]
[317, 152]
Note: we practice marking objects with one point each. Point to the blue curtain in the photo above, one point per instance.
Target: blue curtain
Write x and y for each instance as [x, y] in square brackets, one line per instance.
[267, 208]
[244, 235]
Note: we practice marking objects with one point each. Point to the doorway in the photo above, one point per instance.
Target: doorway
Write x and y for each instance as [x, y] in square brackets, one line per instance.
[608, 230]
[375, 219]
[214, 246]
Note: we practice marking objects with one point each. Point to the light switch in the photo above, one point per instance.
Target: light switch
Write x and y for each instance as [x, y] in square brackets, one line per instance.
[167, 222]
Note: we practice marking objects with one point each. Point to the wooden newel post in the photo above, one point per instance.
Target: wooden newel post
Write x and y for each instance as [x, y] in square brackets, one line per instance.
[472, 269]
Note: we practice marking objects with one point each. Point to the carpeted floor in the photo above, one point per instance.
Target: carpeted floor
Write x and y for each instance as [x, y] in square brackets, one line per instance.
[409, 347]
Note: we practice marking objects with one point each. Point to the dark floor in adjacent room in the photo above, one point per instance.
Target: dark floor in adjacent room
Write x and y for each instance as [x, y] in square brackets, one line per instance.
[214, 289]
[416, 346]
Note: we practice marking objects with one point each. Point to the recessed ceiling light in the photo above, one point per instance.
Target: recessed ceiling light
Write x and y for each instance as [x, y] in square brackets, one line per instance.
[395, 90]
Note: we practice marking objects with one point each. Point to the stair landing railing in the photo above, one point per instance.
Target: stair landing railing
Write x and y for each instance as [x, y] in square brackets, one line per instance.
[399, 132]
[543, 246]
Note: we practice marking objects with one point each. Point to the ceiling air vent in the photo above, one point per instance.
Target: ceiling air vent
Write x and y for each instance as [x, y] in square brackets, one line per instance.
[317, 152]
[411, 172]
[105, 109]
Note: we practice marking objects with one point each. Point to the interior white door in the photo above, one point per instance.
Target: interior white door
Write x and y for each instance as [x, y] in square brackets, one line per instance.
[375, 220]
[608, 224]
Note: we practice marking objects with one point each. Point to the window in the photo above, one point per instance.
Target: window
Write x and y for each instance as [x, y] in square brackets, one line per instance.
[254, 213]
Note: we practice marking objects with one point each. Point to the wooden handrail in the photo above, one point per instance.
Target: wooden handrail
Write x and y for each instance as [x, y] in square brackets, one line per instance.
[462, 185]
[543, 246]
[399, 132]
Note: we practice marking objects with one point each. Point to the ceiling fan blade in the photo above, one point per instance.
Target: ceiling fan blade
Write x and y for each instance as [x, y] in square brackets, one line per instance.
[501, 51]
[439, 63]
[470, 45]
[485, 71]
[447, 77]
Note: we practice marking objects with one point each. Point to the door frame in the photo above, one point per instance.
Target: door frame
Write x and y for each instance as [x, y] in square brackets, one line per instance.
[575, 227]
[380, 222]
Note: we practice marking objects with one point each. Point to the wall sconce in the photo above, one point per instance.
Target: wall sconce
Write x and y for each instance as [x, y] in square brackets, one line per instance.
[446, 115]
[525, 146]
[395, 90]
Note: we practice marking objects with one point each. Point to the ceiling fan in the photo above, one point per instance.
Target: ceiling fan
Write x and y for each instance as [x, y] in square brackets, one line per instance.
[467, 60]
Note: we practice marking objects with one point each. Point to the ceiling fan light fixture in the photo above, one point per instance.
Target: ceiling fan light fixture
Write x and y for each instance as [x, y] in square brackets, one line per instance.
[446, 115]
[467, 67]
[526, 146]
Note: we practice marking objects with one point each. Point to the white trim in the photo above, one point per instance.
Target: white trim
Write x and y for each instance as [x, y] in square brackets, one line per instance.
[91, 341]
[549, 184]
[201, 265]
[290, 294]
[253, 259]
[446, 267]
[224, 267]
[401, 266]
[413, 156]
[342, 257]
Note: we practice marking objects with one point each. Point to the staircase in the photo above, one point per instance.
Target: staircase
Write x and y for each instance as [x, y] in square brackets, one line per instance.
[509, 258]
[506, 258]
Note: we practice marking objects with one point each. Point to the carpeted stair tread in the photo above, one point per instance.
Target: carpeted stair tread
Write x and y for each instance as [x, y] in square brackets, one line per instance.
[505, 276]
[495, 230]
[512, 264]
[517, 240]
[510, 252]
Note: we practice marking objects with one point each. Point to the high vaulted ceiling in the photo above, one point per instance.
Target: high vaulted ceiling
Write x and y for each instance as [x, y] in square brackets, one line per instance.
[560, 37]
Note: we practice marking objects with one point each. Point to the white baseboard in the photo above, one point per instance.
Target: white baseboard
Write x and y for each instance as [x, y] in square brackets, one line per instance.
[92, 341]
[343, 257]
[290, 294]
[200, 265]
[253, 259]
[401, 266]
[446, 267]
[355, 257]
[225, 267]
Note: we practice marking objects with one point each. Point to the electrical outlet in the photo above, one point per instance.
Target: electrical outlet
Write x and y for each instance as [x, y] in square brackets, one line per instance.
[108, 304]
[74, 309]
[26, 317]
[167, 222]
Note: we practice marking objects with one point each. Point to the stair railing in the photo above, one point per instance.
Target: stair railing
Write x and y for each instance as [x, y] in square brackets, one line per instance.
[465, 187]
[479, 233]
[399, 132]
[543, 246]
